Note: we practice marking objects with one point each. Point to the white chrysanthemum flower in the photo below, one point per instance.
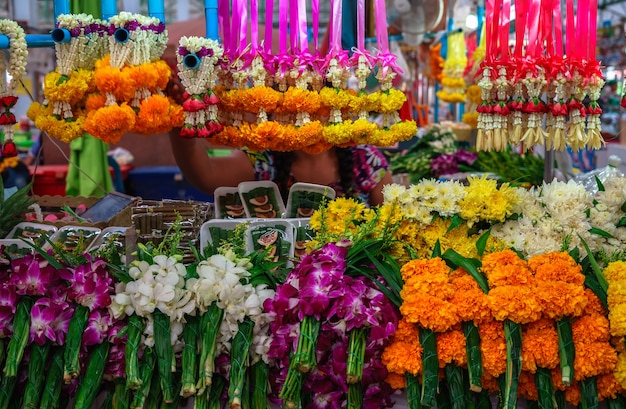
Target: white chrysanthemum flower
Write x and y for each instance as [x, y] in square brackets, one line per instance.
[393, 192]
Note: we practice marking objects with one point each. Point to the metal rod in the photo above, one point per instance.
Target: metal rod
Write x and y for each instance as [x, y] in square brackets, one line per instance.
[156, 9]
[548, 166]
[210, 12]
[108, 9]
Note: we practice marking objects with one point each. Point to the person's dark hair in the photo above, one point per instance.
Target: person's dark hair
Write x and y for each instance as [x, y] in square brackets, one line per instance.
[284, 160]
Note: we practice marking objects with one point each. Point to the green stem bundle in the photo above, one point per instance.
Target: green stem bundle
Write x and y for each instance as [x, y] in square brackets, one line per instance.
[545, 388]
[94, 373]
[567, 351]
[239, 354]
[513, 338]
[260, 375]
[210, 323]
[54, 381]
[430, 367]
[413, 392]
[454, 378]
[474, 357]
[356, 355]
[190, 356]
[589, 393]
[134, 329]
[17, 343]
[355, 396]
[291, 392]
[146, 371]
[164, 353]
[304, 357]
[73, 342]
[36, 375]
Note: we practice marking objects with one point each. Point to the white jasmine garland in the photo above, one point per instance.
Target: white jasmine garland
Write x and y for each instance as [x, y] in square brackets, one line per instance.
[13, 62]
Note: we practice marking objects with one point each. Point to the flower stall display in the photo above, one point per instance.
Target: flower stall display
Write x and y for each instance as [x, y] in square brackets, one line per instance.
[13, 69]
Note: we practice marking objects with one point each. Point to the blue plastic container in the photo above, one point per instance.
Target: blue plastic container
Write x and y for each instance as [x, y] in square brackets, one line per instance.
[162, 182]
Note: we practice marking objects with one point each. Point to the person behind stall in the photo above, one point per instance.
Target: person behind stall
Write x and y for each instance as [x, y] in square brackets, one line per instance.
[359, 171]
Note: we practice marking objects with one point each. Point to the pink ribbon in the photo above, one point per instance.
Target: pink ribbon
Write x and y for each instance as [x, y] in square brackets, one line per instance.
[234, 29]
[269, 26]
[381, 26]
[293, 25]
[243, 27]
[254, 26]
[303, 34]
[558, 28]
[223, 11]
[570, 29]
[315, 15]
[582, 29]
[335, 27]
[505, 30]
[282, 25]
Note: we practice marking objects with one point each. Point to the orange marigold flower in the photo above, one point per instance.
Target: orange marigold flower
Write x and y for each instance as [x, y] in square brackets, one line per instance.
[526, 387]
[493, 347]
[517, 303]
[490, 383]
[396, 381]
[164, 72]
[259, 98]
[608, 386]
[317, 148]
[593, 358]
[559, 298]
[406, 331]
[451, 347]
[95, 102]
[153, 116]
[110, 123]
[143, 75]
[590, 328]
[402, 357]
[430, 312]
[506, 268]
[572, 394]
[300, 100]
[468, 297]
[540, 345]
[557, 266]
[594, 305]
[110, 80]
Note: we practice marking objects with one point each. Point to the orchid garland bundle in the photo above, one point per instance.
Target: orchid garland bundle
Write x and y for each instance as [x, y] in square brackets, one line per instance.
[333, 316]
[13, 69]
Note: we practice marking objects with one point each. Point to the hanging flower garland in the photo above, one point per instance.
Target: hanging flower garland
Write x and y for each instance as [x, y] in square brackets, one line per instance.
[131, 80]
[13, 69]
[66, 88]
[200, 105]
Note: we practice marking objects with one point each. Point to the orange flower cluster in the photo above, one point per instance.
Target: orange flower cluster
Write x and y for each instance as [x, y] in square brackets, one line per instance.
[404, 353]
[133, 101]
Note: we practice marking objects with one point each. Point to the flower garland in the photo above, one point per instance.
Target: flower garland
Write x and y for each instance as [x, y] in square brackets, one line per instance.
[452, 80]
[200, 105]
[132, 79]
[13, 66]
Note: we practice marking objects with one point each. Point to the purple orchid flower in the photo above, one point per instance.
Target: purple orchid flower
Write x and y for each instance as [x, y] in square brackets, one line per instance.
[467, 157]
[97, 329]
[90, 283]
[444, 164]
[31, 275]
[42, 318]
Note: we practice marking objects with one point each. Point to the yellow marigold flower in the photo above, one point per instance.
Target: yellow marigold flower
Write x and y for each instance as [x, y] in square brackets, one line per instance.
[617, 319]
[593, 358]
[338, 133]
[402, 357]
[540, 345]
[473, 94]
[608, 385]
[451, 347]
[36, 109]
[362, 130]
[391, 101]
[359, 103]
[470, 118]
[451, 97]
[70, 89]
[620, 369]
[516, 303]
[526, 387]
[110, 123]
[493, 347]
[334, 98]
[396, 381]
[615, 271]
[557, 266]
[61, 129]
